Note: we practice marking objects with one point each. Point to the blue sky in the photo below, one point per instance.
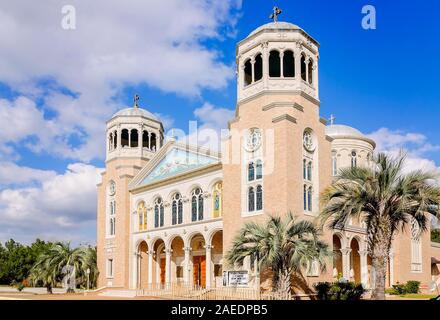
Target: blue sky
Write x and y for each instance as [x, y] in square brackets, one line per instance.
[57, 87]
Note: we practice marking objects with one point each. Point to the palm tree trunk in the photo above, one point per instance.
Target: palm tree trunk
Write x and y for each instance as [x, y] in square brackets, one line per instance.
[284, 284]
[49, 289]
[380, 264]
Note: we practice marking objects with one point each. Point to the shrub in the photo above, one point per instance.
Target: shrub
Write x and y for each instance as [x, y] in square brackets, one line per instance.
[20, 286]
[398, 289]
[412, 287]
[339, 291]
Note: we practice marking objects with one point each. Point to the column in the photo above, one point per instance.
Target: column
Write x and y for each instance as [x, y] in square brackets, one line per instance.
[208, 265]
[129, 138]
[316, 75]
[150, 267]
[364, 267]
[298, 63]
[391, 259]
[346, 263]
[168, 253]
[265, 64]
[253, 69]
[149, 140]
[186, 270]
[281, 64]
[307, 69]
[140, 137]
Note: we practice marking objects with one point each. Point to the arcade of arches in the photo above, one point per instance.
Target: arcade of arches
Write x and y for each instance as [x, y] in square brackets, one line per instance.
[191, 260]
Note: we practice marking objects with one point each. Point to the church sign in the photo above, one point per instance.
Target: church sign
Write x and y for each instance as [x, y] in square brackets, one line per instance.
[235, 278]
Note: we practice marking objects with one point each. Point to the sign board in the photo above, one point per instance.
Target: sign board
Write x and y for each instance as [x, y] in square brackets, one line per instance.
[236, 278]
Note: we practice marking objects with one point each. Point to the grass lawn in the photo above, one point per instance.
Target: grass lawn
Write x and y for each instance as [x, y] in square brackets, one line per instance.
[418, 296]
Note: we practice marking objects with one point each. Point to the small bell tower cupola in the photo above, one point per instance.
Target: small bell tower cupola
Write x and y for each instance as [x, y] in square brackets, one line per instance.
[134, 133]
[278, 57]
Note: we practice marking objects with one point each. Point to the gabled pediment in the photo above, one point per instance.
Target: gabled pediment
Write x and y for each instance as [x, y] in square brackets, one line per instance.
[175, 159]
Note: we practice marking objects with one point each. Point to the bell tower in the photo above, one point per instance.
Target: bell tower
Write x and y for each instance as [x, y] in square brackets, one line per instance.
[133, 136]
[283, 151]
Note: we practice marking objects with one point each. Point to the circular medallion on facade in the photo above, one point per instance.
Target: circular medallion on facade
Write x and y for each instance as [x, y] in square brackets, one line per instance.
[308, 140]
[253, 139]
[112, 188]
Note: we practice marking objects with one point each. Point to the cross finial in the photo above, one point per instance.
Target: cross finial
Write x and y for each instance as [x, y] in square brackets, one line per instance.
[275, 13]
[136, 101]
[332, 119]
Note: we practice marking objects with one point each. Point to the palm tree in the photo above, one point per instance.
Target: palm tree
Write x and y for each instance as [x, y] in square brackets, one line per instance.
[60, 260]
[387, 199]
[286, 246]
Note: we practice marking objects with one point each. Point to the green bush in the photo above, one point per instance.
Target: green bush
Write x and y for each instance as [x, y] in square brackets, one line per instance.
[339, 291]
[401, 289]
[412, 287]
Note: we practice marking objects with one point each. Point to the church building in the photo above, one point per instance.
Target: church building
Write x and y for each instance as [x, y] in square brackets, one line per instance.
[168, 211]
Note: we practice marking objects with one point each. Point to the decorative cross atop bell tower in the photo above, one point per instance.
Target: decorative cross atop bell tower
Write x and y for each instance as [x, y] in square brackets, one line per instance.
[275, 13]
[136, 101]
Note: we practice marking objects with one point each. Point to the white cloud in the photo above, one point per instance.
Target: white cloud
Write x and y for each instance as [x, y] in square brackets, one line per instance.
[214, 117]
[12, 174]
[62, 206]
[116, 44]
[415, 145]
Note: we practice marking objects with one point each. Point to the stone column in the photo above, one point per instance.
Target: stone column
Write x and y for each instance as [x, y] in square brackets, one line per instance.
[149, 140]
[364, 267]
[186, 271]
[150, 267]
[168, 253]
[140, 138]
[281, 64]
[316, 79]
[346, 263]
[391, 259]
[253, 69]
[307, 69]
[265, 64]
[208, 266]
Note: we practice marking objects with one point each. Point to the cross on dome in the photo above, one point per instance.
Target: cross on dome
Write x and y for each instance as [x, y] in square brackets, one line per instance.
[332, 119]
[275, 13]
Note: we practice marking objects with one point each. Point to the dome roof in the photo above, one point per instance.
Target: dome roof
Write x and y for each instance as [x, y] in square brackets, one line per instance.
[280, 25]
[339, 131]
[135, 112]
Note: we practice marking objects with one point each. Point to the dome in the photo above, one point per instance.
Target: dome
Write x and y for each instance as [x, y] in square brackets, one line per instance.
[339, 131]
[135, 112]
[275, 26]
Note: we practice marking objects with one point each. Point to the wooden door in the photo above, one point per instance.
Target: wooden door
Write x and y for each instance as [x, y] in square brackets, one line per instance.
[199, 270]
[162, 271]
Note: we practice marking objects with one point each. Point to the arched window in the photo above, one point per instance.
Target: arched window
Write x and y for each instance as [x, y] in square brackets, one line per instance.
[158, 213]
[334, 163]
[259, 198]
[251, 199]
[259, 169]
[112, 218]
[142, 213]
[305, 198]
[145, 140]
[197, 205]
[177, 209]
[124, 138]
[309, 199]
[153, 144]
[115, 139]
[309, 171]
[310, 70]
[416, 247]
[110, 141]
[258, 67]
[353, 159]
[217, 200]
[303, 67]
[305, 169]
[251, 171]
[274, 64]
[288, 64]
[134, 138]
[247, 72]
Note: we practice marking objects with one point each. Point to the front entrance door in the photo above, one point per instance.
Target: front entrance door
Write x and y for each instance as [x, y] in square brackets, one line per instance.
[162, 271]
[199, 270]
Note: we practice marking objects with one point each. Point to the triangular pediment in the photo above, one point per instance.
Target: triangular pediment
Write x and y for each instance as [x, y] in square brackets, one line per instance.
[176, 160]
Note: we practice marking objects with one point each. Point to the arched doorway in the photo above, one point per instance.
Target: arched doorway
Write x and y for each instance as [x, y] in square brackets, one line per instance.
[217, 258]
[177, 260]
[159, 261]
[355, 261]
[198, 251]
[337, 256]
[142, 265]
